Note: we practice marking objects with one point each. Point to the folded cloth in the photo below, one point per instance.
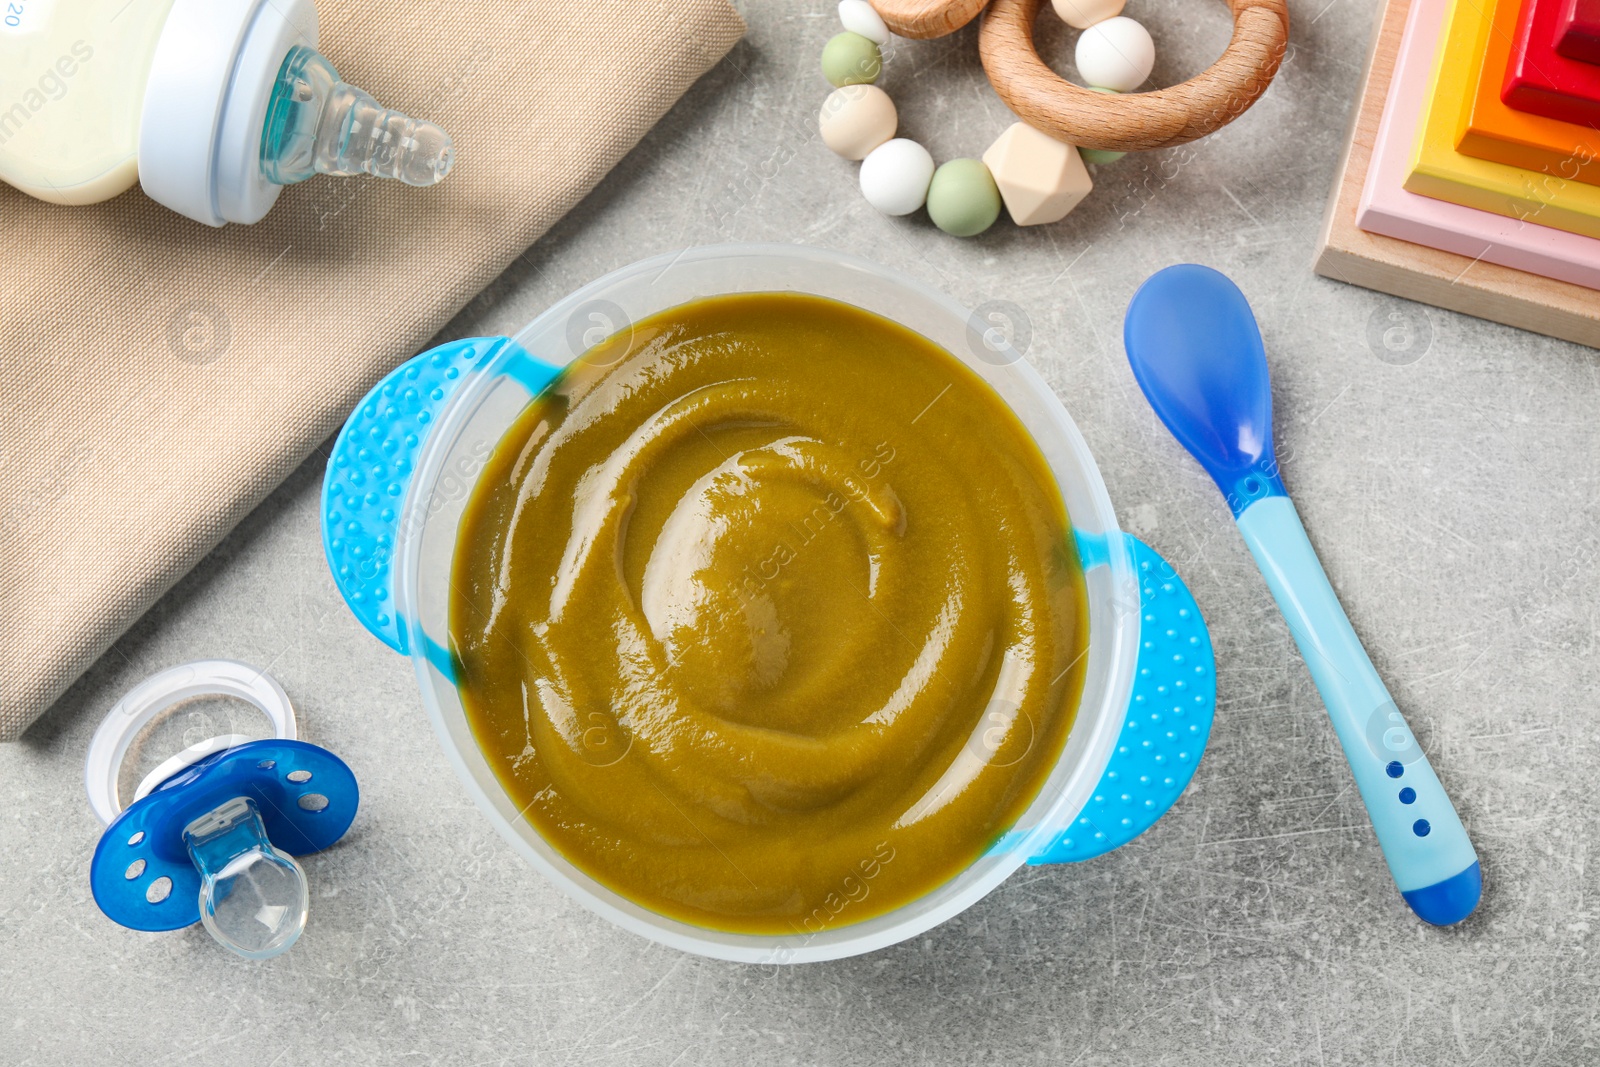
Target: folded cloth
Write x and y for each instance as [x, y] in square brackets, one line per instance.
[161, 377]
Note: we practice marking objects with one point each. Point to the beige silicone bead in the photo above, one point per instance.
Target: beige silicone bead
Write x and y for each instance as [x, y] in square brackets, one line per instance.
[1041, 179]
[1081, 14]
[856, 119]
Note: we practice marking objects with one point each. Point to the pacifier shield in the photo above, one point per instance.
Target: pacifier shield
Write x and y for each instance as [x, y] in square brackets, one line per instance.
[142, 875]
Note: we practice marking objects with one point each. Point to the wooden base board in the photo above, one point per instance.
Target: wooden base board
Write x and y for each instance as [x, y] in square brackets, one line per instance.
[1348, 254]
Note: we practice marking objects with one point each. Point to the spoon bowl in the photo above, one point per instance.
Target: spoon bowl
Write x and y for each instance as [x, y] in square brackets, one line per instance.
[1197, 354]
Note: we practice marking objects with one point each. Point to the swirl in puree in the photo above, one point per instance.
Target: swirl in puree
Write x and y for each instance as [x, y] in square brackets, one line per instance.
[767, 614]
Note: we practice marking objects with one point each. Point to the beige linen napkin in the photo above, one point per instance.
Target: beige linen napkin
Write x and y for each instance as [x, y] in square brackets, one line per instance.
[158, 378]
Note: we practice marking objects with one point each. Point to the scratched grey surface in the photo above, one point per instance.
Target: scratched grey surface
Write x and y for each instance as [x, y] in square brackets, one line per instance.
[1446, 467]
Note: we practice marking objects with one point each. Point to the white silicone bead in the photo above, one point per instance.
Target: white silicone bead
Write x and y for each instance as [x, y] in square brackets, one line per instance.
[856, 119]
[1081, 14]
[858, 16]
[896, 175]
[1116, 54]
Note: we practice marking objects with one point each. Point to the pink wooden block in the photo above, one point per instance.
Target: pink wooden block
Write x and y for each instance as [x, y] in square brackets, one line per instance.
[1386, 208]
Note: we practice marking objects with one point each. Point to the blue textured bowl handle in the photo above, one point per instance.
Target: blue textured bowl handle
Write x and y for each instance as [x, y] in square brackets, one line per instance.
[1168, 721]
[374, 457]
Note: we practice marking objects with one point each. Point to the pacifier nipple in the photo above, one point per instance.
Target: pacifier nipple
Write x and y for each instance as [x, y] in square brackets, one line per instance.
[253, 898]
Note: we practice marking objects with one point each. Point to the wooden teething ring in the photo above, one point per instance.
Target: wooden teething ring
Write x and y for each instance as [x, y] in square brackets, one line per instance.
[1131, 122]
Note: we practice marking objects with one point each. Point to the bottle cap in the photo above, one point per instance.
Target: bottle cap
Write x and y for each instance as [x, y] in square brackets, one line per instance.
[205, 102]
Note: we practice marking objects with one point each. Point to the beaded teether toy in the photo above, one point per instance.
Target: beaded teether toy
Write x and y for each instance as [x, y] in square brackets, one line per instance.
[1036, 167]
[209, 835]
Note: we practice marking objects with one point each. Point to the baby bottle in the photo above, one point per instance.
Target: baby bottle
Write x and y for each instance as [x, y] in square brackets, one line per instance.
[212, 105]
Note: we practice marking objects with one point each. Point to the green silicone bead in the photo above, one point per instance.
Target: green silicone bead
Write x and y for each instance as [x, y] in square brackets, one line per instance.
[963, 199]
[1096, 155]
[851, 59]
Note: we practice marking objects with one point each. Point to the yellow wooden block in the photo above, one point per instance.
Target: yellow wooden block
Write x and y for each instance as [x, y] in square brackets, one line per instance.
[1439, 171]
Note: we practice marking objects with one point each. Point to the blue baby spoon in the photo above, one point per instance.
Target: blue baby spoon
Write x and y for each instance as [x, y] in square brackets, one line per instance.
[1197, 354]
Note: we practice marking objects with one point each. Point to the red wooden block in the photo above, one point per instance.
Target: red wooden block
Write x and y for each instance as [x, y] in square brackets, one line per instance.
[1541, 81]
[1578, 31]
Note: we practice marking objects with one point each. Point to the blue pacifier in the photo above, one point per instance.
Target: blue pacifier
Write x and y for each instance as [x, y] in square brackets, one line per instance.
[212, 833]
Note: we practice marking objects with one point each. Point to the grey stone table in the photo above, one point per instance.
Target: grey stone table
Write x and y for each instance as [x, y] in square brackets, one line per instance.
[1449, 471]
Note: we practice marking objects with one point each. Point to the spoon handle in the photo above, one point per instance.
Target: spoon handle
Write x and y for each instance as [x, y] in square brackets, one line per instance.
[1423, 841]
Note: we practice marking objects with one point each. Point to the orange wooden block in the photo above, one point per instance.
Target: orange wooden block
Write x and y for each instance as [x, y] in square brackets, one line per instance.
[1491, 130]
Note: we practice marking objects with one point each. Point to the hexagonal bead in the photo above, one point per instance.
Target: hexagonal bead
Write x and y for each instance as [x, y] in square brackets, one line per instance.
[1041, 179]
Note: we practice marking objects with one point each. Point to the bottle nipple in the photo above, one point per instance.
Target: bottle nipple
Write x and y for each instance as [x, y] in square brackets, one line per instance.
[317, 124]
[253, 898]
